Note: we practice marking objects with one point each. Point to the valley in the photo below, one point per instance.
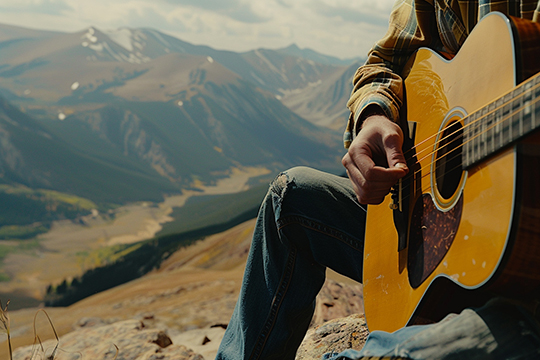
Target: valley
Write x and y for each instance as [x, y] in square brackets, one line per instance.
[70, 248]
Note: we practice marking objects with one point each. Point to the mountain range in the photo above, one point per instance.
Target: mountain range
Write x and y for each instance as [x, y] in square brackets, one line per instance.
[133, 114]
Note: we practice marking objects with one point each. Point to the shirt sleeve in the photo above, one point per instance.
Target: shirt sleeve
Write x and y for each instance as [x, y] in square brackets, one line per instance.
[412, 25]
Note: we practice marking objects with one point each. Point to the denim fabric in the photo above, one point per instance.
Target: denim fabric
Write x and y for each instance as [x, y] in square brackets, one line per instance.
[499, 330]
[309, 220]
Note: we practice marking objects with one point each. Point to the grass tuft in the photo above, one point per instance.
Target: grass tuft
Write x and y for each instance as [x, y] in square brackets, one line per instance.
[38, 351]
[4, 326]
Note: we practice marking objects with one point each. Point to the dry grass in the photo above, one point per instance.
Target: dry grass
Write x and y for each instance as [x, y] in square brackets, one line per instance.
[4, 323]
[38, 350]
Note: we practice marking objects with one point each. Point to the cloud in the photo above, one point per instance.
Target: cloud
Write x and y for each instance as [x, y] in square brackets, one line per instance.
[149, 18]
[348, 14]
[235, 9]
[284, 4]
[46, 7]
[328, 26]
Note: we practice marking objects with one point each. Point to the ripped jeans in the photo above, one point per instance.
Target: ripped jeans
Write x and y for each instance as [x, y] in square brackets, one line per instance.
[308, 221]
[311, 220]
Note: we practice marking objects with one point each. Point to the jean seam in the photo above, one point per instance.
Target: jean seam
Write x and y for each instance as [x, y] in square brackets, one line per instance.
[319, 227]
[276, 305]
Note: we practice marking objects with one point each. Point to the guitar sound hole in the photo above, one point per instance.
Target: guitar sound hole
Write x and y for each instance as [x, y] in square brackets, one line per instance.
[448, 168]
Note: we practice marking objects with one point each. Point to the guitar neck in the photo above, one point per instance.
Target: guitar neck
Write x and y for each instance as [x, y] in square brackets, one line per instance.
[501, 122]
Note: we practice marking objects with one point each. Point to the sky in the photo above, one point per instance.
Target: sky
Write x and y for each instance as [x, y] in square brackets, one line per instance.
[342, 28]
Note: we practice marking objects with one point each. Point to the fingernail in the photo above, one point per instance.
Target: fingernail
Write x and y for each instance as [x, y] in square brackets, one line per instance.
[401, 166]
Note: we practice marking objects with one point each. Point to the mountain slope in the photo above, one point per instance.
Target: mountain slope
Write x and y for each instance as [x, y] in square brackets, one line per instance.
[53, 56]
[135, 111]
[33, 156]
[325, 102]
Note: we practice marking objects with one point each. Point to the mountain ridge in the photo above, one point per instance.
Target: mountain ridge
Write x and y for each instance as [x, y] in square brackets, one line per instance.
[134, 114]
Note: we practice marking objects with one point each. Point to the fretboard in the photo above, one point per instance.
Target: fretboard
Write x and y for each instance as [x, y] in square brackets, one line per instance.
[501, 122]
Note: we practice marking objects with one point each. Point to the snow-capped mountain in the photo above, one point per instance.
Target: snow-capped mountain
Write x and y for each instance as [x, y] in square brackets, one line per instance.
[28, 53]
[140, 99]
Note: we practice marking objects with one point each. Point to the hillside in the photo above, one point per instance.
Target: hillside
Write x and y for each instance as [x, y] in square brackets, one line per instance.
[140, 105]
[194, 289]
[325, 102]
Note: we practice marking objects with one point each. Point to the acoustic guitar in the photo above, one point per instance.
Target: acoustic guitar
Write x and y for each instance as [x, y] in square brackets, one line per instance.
[464, 224]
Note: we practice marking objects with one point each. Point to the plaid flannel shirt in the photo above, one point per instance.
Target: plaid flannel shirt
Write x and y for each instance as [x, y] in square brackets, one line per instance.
[441, 25]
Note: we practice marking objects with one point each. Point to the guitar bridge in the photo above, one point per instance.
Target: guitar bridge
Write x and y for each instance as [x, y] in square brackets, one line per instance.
[400, 218]
[395, 193]
[400, 201]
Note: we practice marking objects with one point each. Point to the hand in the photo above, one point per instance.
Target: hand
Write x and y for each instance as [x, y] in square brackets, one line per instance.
[375, 161]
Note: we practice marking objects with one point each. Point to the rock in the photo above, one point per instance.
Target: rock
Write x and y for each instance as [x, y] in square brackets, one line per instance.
[202, 341]
[87, 322]
[129, 338]
[337, 300]
[192, 330]
[334, 336]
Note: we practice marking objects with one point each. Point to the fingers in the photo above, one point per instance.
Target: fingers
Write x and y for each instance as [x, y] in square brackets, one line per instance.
[371, 183]
[375, 160]
[393, 149]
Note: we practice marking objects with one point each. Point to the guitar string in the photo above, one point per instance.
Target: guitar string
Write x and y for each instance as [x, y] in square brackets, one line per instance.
[495, 124]
[535, 87]
[454, 156]
[430, 164]
[463, 128]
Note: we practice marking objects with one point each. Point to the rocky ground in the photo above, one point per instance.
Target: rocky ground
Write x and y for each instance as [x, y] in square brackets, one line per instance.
[179, 312]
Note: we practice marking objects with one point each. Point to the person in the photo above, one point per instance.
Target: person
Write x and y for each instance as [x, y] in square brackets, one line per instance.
[311, 220]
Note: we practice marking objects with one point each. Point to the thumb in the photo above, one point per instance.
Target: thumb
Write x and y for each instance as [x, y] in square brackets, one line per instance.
[394, 153]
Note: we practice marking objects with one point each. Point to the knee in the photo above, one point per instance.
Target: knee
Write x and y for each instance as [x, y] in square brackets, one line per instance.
[296, 178]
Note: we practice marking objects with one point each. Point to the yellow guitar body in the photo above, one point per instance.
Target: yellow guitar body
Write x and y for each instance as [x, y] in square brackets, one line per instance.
[440, 92]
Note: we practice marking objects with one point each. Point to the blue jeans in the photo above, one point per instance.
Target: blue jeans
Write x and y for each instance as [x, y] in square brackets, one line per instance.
[499, 330]
[308, 221]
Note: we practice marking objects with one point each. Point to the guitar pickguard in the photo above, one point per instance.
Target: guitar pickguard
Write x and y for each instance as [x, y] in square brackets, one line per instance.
[431, 234]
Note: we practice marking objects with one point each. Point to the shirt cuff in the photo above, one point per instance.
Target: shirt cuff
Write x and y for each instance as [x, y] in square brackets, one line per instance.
[355, 120]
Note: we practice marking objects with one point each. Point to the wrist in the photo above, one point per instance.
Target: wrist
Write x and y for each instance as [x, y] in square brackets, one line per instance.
[372, 110]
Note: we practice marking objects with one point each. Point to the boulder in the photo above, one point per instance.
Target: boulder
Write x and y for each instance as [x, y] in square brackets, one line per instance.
[333, 337]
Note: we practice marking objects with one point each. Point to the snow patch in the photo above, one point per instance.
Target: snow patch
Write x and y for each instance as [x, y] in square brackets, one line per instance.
[180, 103]
[27, 92]
[122, 37]
[266, 61]
[210, 60]
[75, 85]
[160, 38]
[256, 77]
[61, 116]
[96, 47]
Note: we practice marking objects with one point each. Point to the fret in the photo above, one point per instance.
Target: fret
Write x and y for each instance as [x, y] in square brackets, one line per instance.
[501, 122]
[516, 130]
[490, 130]
[498, 119]
[480, 134]
[467, 133]
[476, 142]
[505, 121]
[527, 101]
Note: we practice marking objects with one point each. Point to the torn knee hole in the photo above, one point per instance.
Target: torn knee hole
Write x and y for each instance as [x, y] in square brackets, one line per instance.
[280, 185]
